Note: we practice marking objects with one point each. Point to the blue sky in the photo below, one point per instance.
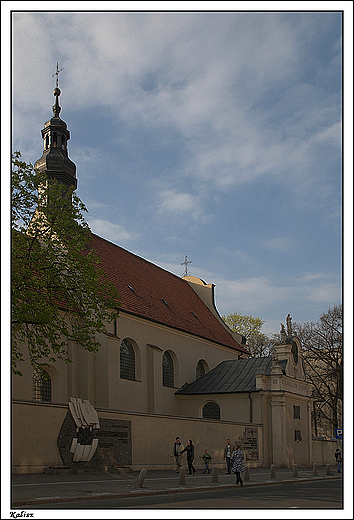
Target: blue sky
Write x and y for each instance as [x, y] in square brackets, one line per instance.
[216, 135]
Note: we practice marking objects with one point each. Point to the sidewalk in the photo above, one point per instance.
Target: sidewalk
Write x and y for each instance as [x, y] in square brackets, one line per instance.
[34, 489]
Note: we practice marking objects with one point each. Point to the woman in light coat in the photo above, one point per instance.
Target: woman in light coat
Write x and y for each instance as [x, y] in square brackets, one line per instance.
[237, 464]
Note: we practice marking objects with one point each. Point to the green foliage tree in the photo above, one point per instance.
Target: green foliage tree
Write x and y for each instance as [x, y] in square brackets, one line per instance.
[322, 344]
[258, 343]
[59, 290]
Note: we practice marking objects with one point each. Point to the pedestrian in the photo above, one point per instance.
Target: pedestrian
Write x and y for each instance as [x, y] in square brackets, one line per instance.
[177, 448]
[229, 449]
[190, 456]
[207, 458]
[238, 466]
[338, 457]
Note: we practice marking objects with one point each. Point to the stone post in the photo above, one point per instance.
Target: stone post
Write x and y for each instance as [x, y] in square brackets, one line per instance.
[272, 472]
[247, 473]
[315, 472]
[141, 477]
[182, 476]
[295, 471]
[214, 474]
[328, 469]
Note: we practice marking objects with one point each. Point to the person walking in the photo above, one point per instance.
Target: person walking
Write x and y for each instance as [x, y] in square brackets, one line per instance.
[177, 448]
[190, 456]
[206, 458]
[338, 457]
[228, 450]
[238, 466]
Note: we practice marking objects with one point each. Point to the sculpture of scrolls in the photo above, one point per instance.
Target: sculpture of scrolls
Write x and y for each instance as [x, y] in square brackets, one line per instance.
[86, 419]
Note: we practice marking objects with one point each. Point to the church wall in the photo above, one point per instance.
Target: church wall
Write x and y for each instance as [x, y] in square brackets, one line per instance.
[96, 376]
[233, 407]
[151, 340]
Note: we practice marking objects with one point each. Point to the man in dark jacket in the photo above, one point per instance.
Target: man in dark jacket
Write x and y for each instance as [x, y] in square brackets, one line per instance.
[228, 451]
[177, 448]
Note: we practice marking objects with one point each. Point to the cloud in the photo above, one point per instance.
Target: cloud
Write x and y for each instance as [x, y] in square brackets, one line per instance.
[278, 244]
[110, 231]
[231, 84]
[177, 203]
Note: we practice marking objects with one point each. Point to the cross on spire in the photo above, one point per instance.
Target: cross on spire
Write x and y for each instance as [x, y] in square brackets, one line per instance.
[185, 263]
[57, 75]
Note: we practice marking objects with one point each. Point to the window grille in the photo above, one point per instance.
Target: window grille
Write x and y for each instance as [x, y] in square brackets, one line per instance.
[211, 411]
[42, 386]
[127, 360]
[200, 371]
[168, 370]
[296, 411]
[298, 435]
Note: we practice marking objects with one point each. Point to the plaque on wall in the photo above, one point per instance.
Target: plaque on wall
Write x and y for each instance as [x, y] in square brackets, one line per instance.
[250, 444]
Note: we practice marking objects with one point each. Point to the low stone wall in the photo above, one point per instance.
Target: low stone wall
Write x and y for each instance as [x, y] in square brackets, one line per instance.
[36, 427]
[323, 451]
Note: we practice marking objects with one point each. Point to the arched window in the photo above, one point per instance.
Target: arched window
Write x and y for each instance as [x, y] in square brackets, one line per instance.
[168, 370]
[42, 386]
[127, 360]
[54, 139]
[200, 370]
[211, 411]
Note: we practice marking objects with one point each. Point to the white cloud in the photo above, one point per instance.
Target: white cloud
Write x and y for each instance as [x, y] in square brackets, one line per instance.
[110, 231]
[178, 203]
[208, 75]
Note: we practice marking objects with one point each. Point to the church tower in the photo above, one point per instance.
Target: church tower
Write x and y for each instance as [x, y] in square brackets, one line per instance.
[55, 161]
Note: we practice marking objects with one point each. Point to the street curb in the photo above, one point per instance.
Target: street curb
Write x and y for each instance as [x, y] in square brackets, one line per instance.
[150, 492]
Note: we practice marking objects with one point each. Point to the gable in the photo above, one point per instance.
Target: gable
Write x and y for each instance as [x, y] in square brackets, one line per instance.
[150, 292]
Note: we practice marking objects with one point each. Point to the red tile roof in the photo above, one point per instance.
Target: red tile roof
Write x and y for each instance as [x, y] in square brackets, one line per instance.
[150, 292]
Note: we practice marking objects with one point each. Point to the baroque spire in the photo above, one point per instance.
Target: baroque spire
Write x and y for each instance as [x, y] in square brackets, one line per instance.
[55, 161]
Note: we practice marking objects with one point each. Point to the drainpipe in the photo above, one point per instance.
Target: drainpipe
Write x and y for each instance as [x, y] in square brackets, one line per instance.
[251, 407]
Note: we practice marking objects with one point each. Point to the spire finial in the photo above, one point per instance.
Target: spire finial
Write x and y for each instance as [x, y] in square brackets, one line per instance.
[185, 263]
[57, 92]
[57, 75]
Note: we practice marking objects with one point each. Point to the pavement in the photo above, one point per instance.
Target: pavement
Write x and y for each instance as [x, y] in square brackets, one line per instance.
[35, 489]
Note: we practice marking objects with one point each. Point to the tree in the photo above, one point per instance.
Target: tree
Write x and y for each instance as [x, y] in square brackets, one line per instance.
[59, 290]
[258, 343]
[322, 343]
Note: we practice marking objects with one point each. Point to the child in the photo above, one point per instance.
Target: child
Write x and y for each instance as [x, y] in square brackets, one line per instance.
[207, 458]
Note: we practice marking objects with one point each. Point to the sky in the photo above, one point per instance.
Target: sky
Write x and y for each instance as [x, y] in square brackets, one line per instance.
[215, 135]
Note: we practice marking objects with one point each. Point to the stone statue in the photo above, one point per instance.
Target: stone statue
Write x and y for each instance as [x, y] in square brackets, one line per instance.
[288, 325]
[282, 333]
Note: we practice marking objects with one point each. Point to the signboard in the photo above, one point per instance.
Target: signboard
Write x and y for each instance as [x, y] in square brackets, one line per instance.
[338, 433]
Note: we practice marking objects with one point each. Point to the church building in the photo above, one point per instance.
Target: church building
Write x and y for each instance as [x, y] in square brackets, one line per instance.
[167, 366]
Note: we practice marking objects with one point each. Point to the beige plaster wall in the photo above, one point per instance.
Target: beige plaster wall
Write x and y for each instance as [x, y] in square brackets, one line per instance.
[36, 428]
[323, 451]
[233, 407]
[298, 452]
[148, 393]
[96, 376]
